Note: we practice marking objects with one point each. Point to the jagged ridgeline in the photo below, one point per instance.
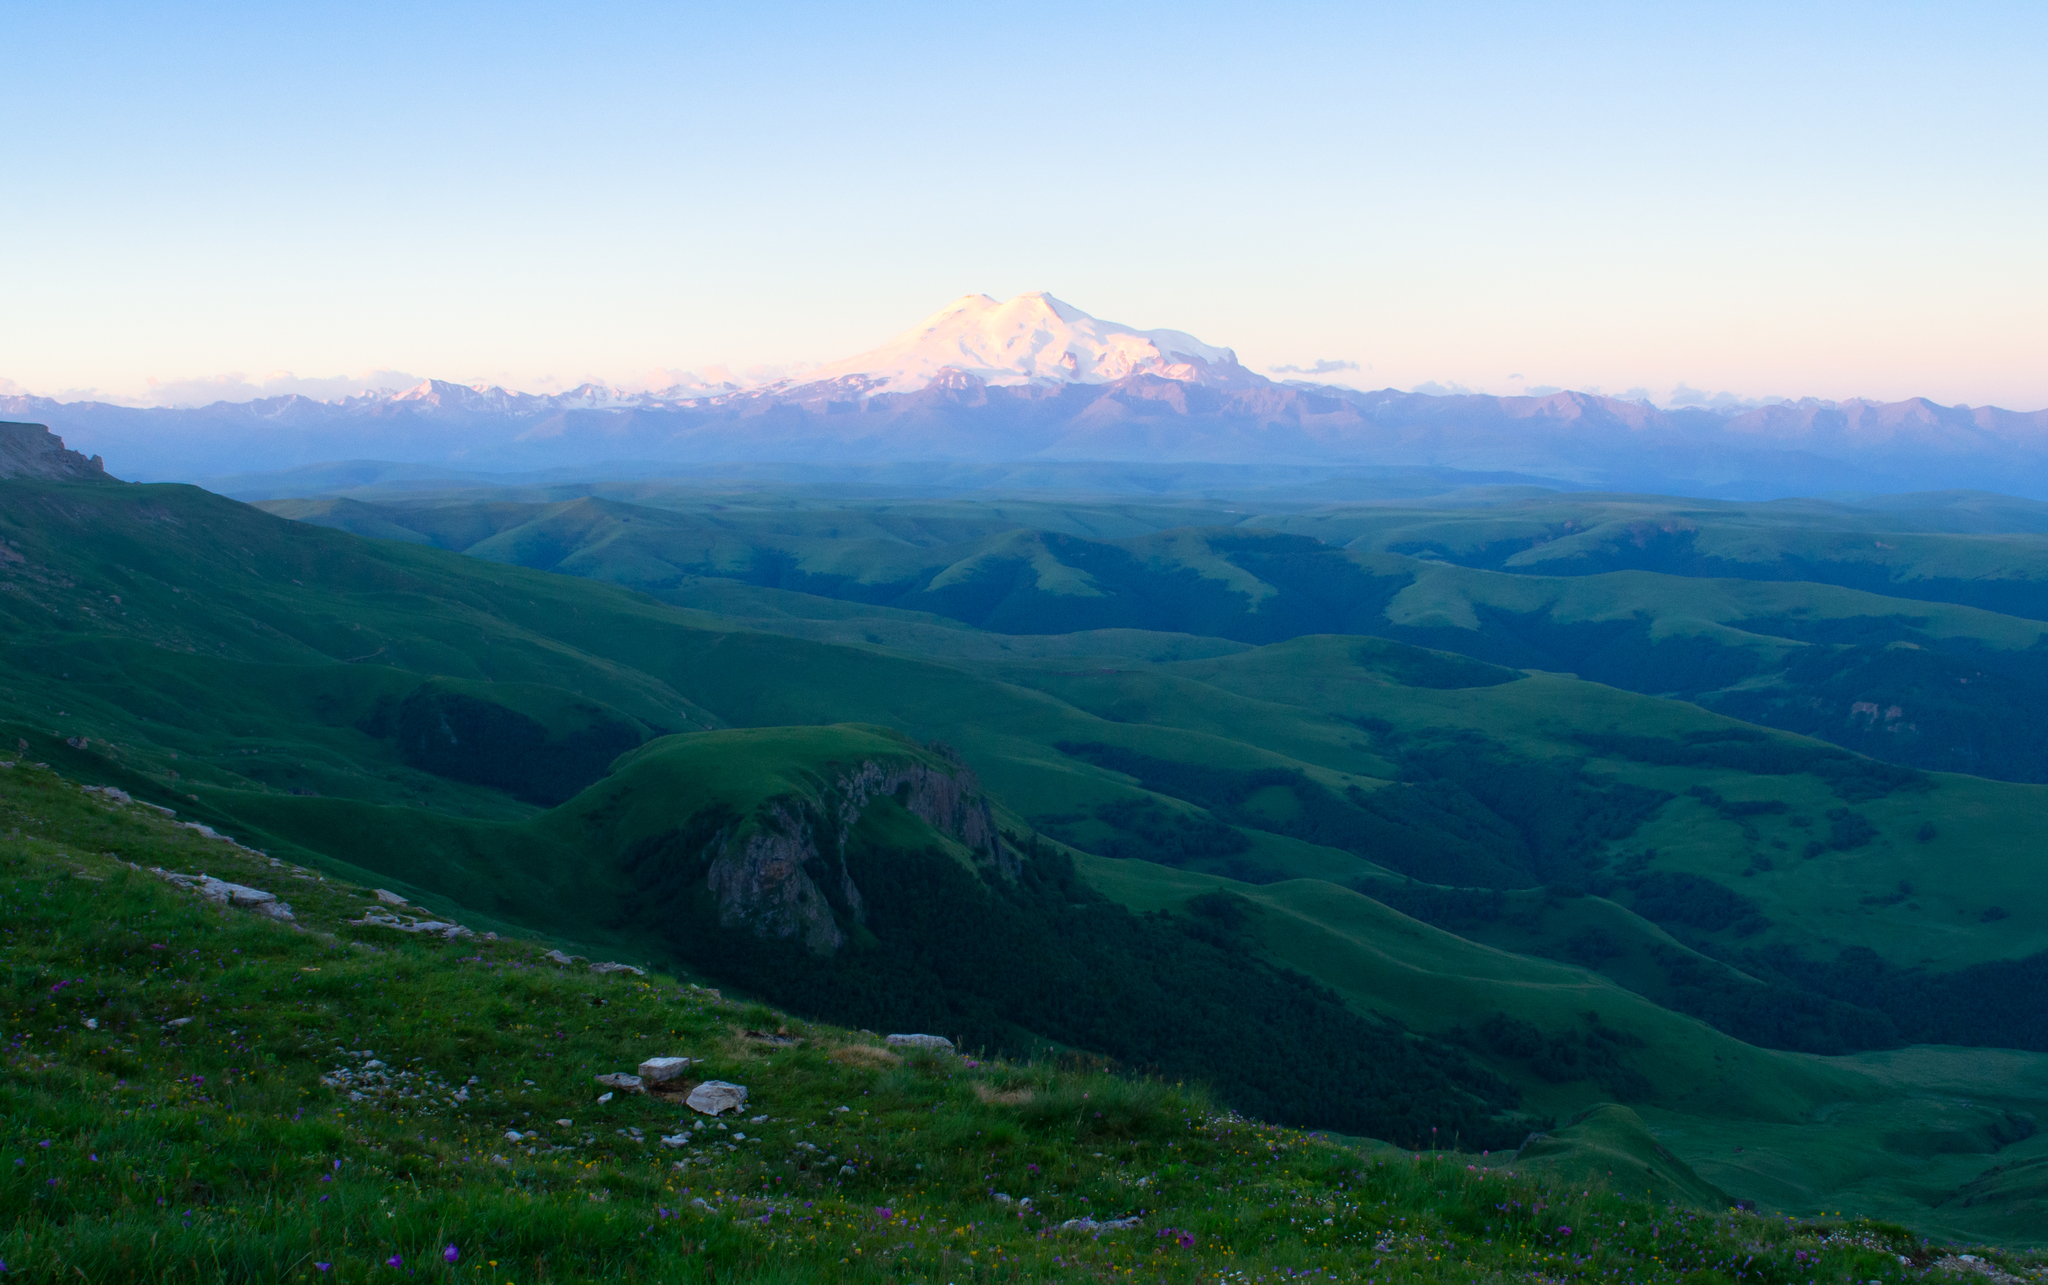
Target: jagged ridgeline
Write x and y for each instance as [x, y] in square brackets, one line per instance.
[848, 872]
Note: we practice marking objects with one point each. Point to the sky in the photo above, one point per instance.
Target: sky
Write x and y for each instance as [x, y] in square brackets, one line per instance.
[1678, 201]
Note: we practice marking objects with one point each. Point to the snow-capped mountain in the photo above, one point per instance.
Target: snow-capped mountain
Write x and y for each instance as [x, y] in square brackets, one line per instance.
[1032, 339]
[1034, 378]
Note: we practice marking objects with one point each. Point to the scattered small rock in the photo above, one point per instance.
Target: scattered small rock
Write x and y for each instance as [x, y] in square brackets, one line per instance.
[557, 957]
[620, 1080]
[231, 894]
[177, 1022]
[389, 897]
[433, 927]
[611, 966]
[1091, 1225]
[605, 1096]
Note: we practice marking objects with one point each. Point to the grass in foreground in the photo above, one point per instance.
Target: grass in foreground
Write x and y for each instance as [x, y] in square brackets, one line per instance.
[257, 1141]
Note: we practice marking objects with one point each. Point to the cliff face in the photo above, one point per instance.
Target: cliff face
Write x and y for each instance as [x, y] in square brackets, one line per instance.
[32, 450]
[787, 878]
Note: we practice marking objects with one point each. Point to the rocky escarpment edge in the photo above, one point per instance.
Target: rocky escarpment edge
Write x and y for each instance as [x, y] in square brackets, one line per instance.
[33, 451]
[780, 877]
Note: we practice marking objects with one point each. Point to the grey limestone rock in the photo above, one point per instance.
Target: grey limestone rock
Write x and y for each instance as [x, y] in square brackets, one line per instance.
[784, 875]
[716, 1097]
[661, 1070]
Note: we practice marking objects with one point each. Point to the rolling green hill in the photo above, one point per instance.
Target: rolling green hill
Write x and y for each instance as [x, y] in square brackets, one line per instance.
[1417, 871]
[1908, 631]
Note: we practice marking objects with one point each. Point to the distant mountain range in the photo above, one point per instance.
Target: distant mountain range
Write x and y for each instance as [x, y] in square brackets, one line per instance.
[1035, 379]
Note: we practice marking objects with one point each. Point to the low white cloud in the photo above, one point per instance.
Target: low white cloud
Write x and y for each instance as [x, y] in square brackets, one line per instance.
[1724, 401]
[1434, 389]
[1325, 366]
[237, 387]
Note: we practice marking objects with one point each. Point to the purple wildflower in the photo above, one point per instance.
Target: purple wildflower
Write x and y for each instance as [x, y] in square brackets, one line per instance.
[321, 1267]
[450, 1254]
[394, 1261]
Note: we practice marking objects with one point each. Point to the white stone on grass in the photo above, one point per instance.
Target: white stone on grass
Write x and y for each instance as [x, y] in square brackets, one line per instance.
[661, 1070]
[716, 1097]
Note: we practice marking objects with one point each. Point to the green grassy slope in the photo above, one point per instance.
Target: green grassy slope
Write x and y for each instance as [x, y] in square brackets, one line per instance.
[1904, 633]
[337, 1102]
[1944, 1139]
[262, 676]
[1294, 706]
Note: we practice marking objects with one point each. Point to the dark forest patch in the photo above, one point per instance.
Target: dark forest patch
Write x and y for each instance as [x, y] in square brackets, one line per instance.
[1852, 778]
[466, 738]
[1464, 813]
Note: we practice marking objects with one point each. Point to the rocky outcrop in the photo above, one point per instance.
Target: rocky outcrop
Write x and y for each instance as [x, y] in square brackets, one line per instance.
[785, 876]
[33, 451]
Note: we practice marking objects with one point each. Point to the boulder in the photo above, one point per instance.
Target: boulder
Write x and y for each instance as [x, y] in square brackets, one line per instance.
[610, 967]
[935, 1043]
[389, 897]
[716, 1097]
[661, 1070]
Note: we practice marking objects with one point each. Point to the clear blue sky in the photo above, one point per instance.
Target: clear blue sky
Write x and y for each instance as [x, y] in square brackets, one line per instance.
[1771, 199]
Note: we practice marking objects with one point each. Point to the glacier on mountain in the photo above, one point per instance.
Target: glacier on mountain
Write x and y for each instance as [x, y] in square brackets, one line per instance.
[1031, 339]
